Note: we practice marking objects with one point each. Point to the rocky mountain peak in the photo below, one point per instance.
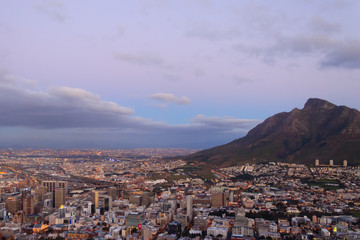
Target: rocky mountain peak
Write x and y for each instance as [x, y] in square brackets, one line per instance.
[317, 103]
[321, 130]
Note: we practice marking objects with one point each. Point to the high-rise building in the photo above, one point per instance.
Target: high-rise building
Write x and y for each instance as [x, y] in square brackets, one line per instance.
[40, 193]
[113, 192]
[317, 162]
[59, 197]
[331, 162]
[49, 199]
[90, 208]
[145, 199]
[62, 211]
[95, 198]
[189, 207]
[189, 204]
[13, 204]
[108, 203]
[48, 203]
[345, 163]
[28, 204]
[218, 199]
[51, 185]
[58, 189]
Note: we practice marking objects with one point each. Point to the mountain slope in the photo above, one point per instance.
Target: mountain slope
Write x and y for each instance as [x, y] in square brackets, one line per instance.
[320, 130]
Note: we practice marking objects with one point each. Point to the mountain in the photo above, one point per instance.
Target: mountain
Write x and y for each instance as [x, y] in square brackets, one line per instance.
[321, 130]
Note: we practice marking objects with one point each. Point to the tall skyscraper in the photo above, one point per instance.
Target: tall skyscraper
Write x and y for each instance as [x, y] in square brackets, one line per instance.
[95, 198]
[51, 185]
[91, 208]
[189, 207]
[108, 203]
[27, 200]
[28, 204]
[59, 197]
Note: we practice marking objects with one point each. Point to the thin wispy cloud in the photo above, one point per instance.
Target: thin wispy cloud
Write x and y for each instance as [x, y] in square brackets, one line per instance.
[139, 58]
[223, 122]
[318, 24]
[170, 98]
[318, 42]
[52, 8]
[241, 80]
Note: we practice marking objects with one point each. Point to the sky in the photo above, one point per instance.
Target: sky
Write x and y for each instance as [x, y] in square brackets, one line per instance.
[168, 73]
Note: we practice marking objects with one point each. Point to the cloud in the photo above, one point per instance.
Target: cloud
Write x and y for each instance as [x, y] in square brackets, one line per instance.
[223, 123]
[69, 117]
[344, 55]
[59, 107]
[241, 80]
[318, 24]
[51, 8]
[336, 54]
[148, 6]
[140, 59]
[331, 52]
[317, 38]
[170, 98]
[290, 46]
[209, 32]
[215, 31]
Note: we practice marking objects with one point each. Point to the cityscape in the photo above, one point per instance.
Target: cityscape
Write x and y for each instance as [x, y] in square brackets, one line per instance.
[154, 194]
[179, 120]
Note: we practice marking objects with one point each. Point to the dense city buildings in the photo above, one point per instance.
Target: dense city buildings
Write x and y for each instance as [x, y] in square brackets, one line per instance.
[152, 194]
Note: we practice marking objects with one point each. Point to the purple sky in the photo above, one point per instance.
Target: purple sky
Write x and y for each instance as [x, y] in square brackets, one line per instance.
[168, 73]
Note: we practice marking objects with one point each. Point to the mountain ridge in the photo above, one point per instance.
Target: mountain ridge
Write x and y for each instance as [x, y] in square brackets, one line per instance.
[320, 130]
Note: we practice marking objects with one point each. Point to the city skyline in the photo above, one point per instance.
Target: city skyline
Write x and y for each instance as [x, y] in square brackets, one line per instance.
[164, 73]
